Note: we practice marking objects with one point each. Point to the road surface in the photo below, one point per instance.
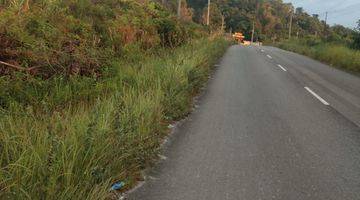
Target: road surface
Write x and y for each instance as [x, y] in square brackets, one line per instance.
[270, 125]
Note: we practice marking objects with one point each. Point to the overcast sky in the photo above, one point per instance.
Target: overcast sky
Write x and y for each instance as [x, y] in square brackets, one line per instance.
[344, 12]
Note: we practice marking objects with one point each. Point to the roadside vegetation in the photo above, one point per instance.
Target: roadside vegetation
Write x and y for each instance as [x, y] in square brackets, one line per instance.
[87, 90]
[72, 139]
[341, 48]
[310, 34]
[336, 55]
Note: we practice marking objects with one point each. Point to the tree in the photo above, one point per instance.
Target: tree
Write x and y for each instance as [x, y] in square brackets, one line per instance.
[215, 18]
[356, 36]
[299, 10]
[271, 18]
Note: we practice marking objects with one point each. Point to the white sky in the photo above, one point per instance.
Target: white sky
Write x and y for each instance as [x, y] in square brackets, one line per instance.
[344, 12]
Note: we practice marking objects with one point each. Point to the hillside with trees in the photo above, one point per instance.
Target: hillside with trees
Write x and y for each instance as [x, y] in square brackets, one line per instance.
[88, 89]
[47, 36]
[271, 19]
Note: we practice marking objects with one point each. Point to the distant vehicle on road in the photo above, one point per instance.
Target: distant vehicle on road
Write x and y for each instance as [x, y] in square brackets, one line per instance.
[239, 37]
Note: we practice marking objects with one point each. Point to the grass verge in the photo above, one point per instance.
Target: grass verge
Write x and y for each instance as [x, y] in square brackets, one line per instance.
[73, 138]
[336, 55]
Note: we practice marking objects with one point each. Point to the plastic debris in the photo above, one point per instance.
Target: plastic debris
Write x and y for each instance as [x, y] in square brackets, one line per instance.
[117, 186]
[162, 157]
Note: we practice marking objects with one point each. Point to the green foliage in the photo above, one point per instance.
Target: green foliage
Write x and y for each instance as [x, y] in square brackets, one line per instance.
[172, 34]
[72, 137]
[335, 54]
[81, 37]
[104, 79]
[272, 20]
[356, 37]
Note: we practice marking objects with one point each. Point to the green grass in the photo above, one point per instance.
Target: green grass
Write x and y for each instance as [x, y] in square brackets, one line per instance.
[75, 37]
[72, 138]
[336, 55]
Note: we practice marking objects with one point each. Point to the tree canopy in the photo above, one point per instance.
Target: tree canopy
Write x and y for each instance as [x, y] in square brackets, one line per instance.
[271, 19]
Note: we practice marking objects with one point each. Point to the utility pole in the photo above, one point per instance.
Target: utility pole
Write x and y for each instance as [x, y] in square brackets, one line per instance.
[291, 19]
[179, 9]
[208, 14]
[326, 23]
[326, 16]
[222, 23]
[253, 25]
[252, 32]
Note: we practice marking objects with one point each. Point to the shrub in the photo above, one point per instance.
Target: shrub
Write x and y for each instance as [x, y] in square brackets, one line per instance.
[95, 107]
[70, 139]
[335, 54]
[81, 37]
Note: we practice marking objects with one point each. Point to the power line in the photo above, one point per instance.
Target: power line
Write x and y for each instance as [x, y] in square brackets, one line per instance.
[347, 8]
[332, 10]
[339, 13]
[336, 12]
[352, 6]
[344, 14]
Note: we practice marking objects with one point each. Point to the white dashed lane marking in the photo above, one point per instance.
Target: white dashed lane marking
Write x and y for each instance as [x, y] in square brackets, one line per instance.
[281, 67]
[317, 96]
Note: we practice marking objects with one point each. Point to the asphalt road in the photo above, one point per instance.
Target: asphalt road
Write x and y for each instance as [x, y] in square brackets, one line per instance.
[270, 125]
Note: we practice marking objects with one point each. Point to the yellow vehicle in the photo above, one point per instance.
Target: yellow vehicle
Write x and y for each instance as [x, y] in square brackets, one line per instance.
[239, 37]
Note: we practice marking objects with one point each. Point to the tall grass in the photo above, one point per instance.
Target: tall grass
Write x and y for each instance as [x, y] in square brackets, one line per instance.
[72, 139]
[79, 36]
[334, 54]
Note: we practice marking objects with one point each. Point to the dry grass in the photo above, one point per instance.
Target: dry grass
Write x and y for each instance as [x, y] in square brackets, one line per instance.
[334, 54]
[72, 139]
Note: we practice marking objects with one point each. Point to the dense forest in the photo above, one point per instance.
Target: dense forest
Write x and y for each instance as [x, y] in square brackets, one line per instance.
[93, 31]
[78, 37]
[271, 19]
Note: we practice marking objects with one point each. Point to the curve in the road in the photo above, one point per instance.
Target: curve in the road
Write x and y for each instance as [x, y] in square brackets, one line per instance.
[260, 134]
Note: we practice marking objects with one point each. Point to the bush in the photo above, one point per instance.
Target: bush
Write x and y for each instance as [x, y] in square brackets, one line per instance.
[334, 54]
[356, 42]
[71, 138]
[103, 79]
[81, 37]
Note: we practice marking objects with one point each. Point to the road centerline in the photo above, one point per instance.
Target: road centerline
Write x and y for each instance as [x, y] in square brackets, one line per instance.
[317, 96]
[281, 67]
[292, 123]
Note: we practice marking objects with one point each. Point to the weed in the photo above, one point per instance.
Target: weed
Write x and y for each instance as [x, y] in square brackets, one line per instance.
[71, 137]
[334, 54]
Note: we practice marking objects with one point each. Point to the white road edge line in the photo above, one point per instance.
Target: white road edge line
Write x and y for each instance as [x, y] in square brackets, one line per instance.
[282, 68]
[317, 96]
[269, 56]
